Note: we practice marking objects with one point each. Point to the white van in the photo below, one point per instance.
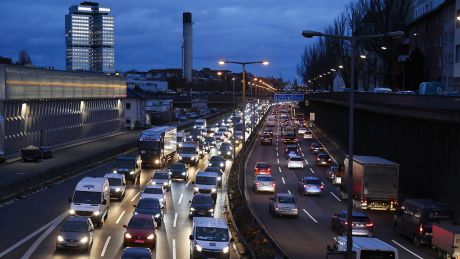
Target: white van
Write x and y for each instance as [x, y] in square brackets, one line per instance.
[366, 247]
[206, 182]
[91, 198]
[271, 120]
[210, 238]
[200, 124]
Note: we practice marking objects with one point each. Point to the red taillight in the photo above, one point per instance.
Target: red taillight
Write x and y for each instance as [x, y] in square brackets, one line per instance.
[420, 229]
[258, 184]
[322, 186]
[317, 159]
[369, 225]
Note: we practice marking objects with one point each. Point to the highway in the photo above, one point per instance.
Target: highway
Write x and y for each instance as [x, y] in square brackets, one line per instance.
[30, 224]
[309, 234]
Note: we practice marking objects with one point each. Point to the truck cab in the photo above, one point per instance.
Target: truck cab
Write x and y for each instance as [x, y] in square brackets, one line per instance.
[210, 238]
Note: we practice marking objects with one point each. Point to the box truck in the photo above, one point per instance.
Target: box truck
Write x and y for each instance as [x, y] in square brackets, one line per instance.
[446, 240]
[157, 146]
[375, 183]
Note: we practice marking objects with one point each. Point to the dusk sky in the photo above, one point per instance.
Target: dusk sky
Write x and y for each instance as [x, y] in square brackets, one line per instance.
[148, 33]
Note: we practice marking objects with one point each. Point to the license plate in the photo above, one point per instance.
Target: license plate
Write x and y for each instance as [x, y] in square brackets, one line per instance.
[139, 241]
[323, 162]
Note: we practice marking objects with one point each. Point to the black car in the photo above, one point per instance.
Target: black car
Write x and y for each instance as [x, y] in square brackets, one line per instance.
[268, 131]
[266, 139]
[415, 219]
[216, 169]
[129, 165]
[136, 253]
[226, 150]
[361, 223]
[179, 171]
[315, 148]
[150, 206]
[209, 143]
[34, 153]
[217, 161]
[75, 233]
[323, 159]
[201, 205]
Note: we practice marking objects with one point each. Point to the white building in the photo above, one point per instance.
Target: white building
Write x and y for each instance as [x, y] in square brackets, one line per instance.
[145, 82]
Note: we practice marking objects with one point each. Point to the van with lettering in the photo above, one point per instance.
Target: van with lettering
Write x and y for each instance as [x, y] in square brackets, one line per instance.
[210, 238]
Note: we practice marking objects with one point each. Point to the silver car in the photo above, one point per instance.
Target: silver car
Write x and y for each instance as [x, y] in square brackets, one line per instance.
[283, 204]
[163, 178]
[264, 183]
[310, 185]
[75, 233]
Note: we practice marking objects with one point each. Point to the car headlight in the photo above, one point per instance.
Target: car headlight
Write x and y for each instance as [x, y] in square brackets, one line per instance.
[219, 152]
[209, 164]
[84, 240]
[153, 182]
[157, 216]
[196, 189]
[192, 158]
[213, 190]
[128, 235]
[117, 189]
[211, 210]
[96, 213]
[226, 249]
[221, 164]
[72, 212]
[228, 152]
[161, 200]
[157, 161]
[60, 239]
[115, 171]
[219, 178]
[180, 158]
[150, 237]
[192, 209]
[198, 248]
[183, 173]
[165, 183]
[132, 172]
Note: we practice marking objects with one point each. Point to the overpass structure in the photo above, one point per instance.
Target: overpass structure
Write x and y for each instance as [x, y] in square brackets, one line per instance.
[421, 133]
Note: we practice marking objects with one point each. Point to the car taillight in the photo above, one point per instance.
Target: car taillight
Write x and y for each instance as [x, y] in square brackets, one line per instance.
[317, 159]
[304, 186]
[369, 225]
[258, 184]
[420, 229]
[322, 186]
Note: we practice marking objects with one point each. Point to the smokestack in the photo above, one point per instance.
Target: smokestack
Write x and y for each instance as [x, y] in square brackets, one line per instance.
[187, 34]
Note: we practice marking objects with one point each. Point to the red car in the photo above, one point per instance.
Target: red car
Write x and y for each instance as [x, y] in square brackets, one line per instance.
[140, 231]
[262, 168]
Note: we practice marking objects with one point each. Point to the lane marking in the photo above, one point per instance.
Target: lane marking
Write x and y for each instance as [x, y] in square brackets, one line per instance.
[306, 161]
[174, 248]
[282, 178]
[278, 160]
[175, 220]
[312, 171]
[189, 181]
[276, 148]
[27, 238]
[289, 192]
[105, 245]
[337, 198]
[135, 196]
[276, 153]
[308, 214]
[407, 249]
[119, 217]
[303, 154]
[180, 198]
[279, 168]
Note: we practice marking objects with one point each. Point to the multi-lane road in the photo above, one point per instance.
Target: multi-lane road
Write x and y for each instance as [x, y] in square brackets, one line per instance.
[309, 234]
[29, 225]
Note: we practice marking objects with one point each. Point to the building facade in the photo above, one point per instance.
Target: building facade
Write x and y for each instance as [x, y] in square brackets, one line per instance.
[89, 36]
[54, 108]
[146, 82]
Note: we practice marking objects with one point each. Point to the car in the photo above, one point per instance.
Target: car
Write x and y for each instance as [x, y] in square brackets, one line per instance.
[206, 182]
[209, 143]
[266, 139]
[179, 171]
[155, 191]
[201, 205]
[117, 185]
[34, 153]
[136, 253]
[219, 137]
[76, 232]
[217, 161]
[323, 159]
[162, 178]
[310, 185]
[140, 231]
[224, 130]
[316, 148]
[334, 173]
[291, 150]
[283, 204]
[264, 183]
[129, 165]
[268, 131]
[210, 238]
[216, 169]
[183, 117]
[150, 206]
[262, 168]
[295, 162]
[302, 130]
[226, 151]
[361, 223]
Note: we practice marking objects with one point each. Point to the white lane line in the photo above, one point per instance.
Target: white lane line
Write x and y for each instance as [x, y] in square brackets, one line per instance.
[282, 178]
[174, 248]
[276, 148]
[279, 168]
[180, 198]
[105, 246]
[188, 183]
[337, 198]
[27, 238]
[306, 161]
[276, 153]
[135, 196]
[405, 248]
[278, 160]
[312, 171]
[42, 237]
[119, 217]
[289, 192]
[308, 214]
[175, 220]
[303, 154]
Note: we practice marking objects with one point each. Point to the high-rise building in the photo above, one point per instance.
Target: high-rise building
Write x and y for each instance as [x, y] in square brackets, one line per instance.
[89, 33]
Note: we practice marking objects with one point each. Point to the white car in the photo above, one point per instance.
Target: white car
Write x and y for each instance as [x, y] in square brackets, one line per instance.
[219, 136]
[302, 130]
[307, 134]
[155, 191]
[295, 162]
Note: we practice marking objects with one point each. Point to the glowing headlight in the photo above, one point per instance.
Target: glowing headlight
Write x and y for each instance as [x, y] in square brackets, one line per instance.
[128, 235]
[157, 216]
[211, 210]
[150, 237]
[132, 172]
[196, 189]
[60, 239]
[198, 248]
[153, 182]
[193, 158]
[213, 190]
[115, 171]
[209, 164]
[180, 158]
[165, 183]
[72, 212]
[84, 240]
[161, 200]
[228, 152]
[192, 209]
[219, 178]
[157, 161]
[183, 173]
[117, 189]
[225, 250]
[221, 164]
[96, 213]
[219, 152]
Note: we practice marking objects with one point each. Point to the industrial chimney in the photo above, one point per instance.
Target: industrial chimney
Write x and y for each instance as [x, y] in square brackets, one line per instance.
[187, 58]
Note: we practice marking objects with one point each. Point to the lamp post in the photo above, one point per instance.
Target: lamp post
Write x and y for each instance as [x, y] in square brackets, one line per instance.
[225, 79]
[353, 40]
[233, 124]
[243, 65]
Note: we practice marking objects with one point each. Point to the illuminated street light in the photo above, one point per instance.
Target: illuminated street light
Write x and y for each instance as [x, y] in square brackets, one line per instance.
[383, 48]
[362, 56]
[340, 66]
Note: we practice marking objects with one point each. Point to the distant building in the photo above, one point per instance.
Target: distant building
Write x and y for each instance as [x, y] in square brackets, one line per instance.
[89, 34]
[24, 58]
[145, 82]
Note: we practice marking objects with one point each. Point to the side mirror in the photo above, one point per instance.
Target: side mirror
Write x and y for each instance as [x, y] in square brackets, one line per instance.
[124, 226]
[190, 237]
[69, 199]
[104, 202]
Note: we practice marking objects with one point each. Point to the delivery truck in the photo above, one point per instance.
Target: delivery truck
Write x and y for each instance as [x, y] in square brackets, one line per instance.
[157, 146]
[375, 183]
[446, 240]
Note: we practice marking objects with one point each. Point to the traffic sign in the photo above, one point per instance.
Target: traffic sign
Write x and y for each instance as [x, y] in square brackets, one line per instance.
[289, 97]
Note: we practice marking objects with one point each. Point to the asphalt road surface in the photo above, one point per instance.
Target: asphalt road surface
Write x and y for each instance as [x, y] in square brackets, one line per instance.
[309, 234]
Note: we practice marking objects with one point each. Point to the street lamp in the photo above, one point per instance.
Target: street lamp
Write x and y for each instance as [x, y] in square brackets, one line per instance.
[354, 41]
[219, 73]
[243, 64]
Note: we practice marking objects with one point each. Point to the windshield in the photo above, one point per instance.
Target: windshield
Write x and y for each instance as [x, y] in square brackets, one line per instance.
[160, 176]
[265, 178]
[114, 181]
[263, 166]
[188, 150]
[178, 167]
[360, 219]
[296, 159]
[153, 190]
[149, 145]
[313, 181]
[323, 156]
[199, 123]
[212, 234]
[75, 226]
[148, 204]
[124, 163]
[140, 223]
[369, 254]
[286, 199]
[136, 257]
[206, 180]
[199, 199]
[215, 159]
[292, 149]
[87, 197]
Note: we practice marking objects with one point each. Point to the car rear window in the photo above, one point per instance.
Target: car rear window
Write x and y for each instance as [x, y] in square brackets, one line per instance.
[360, 219]
[313, 181]
[265, 178]
[262, 165]
[296, 159]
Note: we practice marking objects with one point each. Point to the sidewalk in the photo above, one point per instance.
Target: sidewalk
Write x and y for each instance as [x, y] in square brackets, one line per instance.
[337, 154]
